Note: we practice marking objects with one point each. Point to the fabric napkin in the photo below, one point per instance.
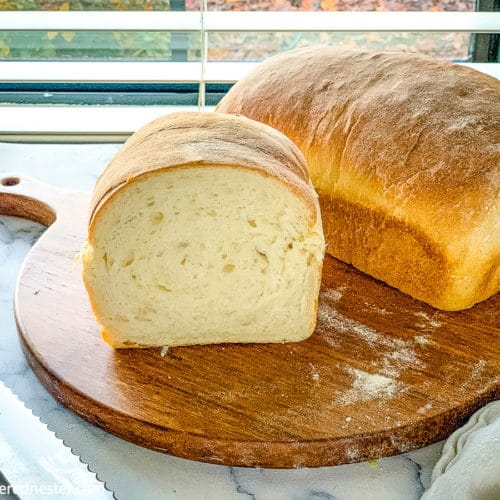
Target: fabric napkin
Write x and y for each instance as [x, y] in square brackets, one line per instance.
[469, 467]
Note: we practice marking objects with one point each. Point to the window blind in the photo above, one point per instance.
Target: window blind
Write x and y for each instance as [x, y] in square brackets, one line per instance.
[114, 123]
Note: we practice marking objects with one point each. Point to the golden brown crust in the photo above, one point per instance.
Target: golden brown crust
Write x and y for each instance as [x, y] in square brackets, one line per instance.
[410, 138]
[183, 140]
[369, 246]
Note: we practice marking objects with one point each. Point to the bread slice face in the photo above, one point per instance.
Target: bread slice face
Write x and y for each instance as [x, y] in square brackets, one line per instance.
[205, 253]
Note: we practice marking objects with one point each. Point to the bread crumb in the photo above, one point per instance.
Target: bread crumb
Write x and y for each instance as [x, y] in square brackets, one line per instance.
[314, 373]
[164, 351]
[346, 423]
[78, 258]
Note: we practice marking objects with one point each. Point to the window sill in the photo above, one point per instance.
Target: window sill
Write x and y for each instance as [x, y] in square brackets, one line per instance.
[82, 124]
[90, 124]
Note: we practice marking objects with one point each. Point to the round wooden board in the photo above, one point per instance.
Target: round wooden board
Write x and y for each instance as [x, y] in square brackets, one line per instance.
[382, 374]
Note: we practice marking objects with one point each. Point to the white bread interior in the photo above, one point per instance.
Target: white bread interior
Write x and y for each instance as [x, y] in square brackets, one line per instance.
[204, 254]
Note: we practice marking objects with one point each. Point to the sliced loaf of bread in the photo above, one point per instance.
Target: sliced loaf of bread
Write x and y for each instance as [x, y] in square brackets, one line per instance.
[203, 229]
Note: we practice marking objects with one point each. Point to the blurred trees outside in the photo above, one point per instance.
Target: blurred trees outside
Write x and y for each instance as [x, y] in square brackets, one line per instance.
[222, 46]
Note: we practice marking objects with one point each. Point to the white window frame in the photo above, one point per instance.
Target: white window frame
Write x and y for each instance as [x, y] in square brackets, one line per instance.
[115, 123]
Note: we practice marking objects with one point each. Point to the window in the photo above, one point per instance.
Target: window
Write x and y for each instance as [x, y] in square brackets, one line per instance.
[97, 69]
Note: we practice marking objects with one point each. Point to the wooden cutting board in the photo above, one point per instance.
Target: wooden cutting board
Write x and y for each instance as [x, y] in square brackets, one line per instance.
[382, 374]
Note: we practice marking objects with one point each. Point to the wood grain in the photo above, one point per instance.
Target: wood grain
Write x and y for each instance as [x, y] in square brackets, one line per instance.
[382, 374]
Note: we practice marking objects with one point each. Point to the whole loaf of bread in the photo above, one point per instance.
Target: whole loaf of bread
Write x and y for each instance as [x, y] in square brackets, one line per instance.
[404, 152]
[204, 228]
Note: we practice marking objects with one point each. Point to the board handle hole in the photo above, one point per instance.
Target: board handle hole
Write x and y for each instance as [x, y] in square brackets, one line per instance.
[10, 181]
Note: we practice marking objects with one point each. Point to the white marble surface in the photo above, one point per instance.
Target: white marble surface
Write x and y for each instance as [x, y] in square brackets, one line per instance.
[133, 472]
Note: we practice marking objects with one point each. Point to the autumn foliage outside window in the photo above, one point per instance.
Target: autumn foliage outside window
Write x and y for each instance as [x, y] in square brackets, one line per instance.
[247, 46]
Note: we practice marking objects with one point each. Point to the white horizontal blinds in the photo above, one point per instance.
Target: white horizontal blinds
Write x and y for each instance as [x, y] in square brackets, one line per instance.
[204, 23]
[99, 21]
[124, 71]
[143, 72]
[113, 123]
[472, 22]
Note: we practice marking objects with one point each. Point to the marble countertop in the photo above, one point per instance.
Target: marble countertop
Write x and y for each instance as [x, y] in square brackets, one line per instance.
[133, 472]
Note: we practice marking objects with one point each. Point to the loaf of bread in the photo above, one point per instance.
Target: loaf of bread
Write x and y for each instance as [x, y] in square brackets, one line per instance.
[204, 228]
[404, 152]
